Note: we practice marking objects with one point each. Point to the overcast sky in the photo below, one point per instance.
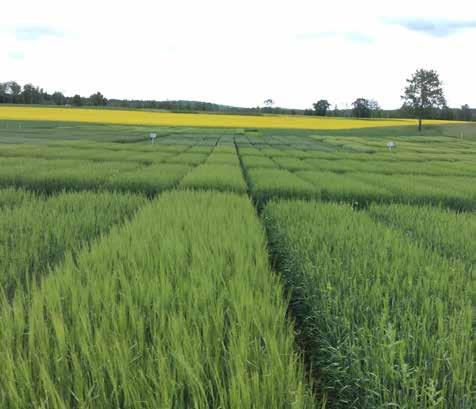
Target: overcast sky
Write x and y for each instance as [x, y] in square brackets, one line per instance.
[240, 52]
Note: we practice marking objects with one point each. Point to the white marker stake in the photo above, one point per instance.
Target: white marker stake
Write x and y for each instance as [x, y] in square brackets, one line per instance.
[152, 136]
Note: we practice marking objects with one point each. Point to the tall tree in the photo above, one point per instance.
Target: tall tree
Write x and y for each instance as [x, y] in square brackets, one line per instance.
[59, 98]
[31, 94]
[321, 107]
[12, 91]
[361, 108]
[424, 92]
[3, 92]
[97, 99]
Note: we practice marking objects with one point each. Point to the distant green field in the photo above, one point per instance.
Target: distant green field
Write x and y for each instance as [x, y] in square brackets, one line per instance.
[236, 268]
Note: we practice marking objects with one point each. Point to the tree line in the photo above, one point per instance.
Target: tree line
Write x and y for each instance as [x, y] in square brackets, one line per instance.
[13, 93]
[365, 108]
[423, 99]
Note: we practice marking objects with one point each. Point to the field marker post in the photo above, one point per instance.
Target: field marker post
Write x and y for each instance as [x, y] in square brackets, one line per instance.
[391, 145]
[152, 136]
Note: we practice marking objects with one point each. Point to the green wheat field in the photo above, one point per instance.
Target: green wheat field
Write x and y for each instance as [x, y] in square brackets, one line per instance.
[236, 268]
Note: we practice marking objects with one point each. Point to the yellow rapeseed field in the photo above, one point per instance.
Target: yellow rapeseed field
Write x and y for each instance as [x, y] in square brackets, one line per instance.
[130, 117]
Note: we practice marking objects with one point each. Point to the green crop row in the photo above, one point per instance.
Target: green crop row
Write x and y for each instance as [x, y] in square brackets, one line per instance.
[361, 189]
[437, 168]
[201, 149]
[345, 188]
[455, 192]
[292, 164]
[176, 309]
[248, 150]
[250, 162]
[386, 321]
[150, 180]
[10, 197]
[215, 177]
[49, 176]
[444, 231]
[222, 148]
[68, 152]
[36, 233]
[224, 159]
[411, 144]
[265, 184]
[188, 158]
[422, 160]
[347, 144]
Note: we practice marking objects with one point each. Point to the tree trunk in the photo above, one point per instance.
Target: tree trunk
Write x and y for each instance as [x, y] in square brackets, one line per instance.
[419, 124]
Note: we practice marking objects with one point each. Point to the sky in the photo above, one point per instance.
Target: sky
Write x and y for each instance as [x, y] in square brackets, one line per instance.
[240, 52]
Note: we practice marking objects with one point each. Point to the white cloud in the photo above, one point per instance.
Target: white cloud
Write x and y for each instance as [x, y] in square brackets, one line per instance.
[434, 27]
[236, 52]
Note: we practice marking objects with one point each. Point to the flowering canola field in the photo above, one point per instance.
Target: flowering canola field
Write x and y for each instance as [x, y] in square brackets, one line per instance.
[129, 117]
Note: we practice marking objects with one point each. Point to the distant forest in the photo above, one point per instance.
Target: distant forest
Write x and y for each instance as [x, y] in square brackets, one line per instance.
[13, 93]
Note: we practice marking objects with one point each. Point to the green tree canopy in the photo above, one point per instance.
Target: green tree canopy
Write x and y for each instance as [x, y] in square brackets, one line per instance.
[361, 108]
[97, 99]
[321, 107]
[424, 92]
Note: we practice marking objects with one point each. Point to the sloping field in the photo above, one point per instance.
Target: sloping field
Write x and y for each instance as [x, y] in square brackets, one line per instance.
[128, 117]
